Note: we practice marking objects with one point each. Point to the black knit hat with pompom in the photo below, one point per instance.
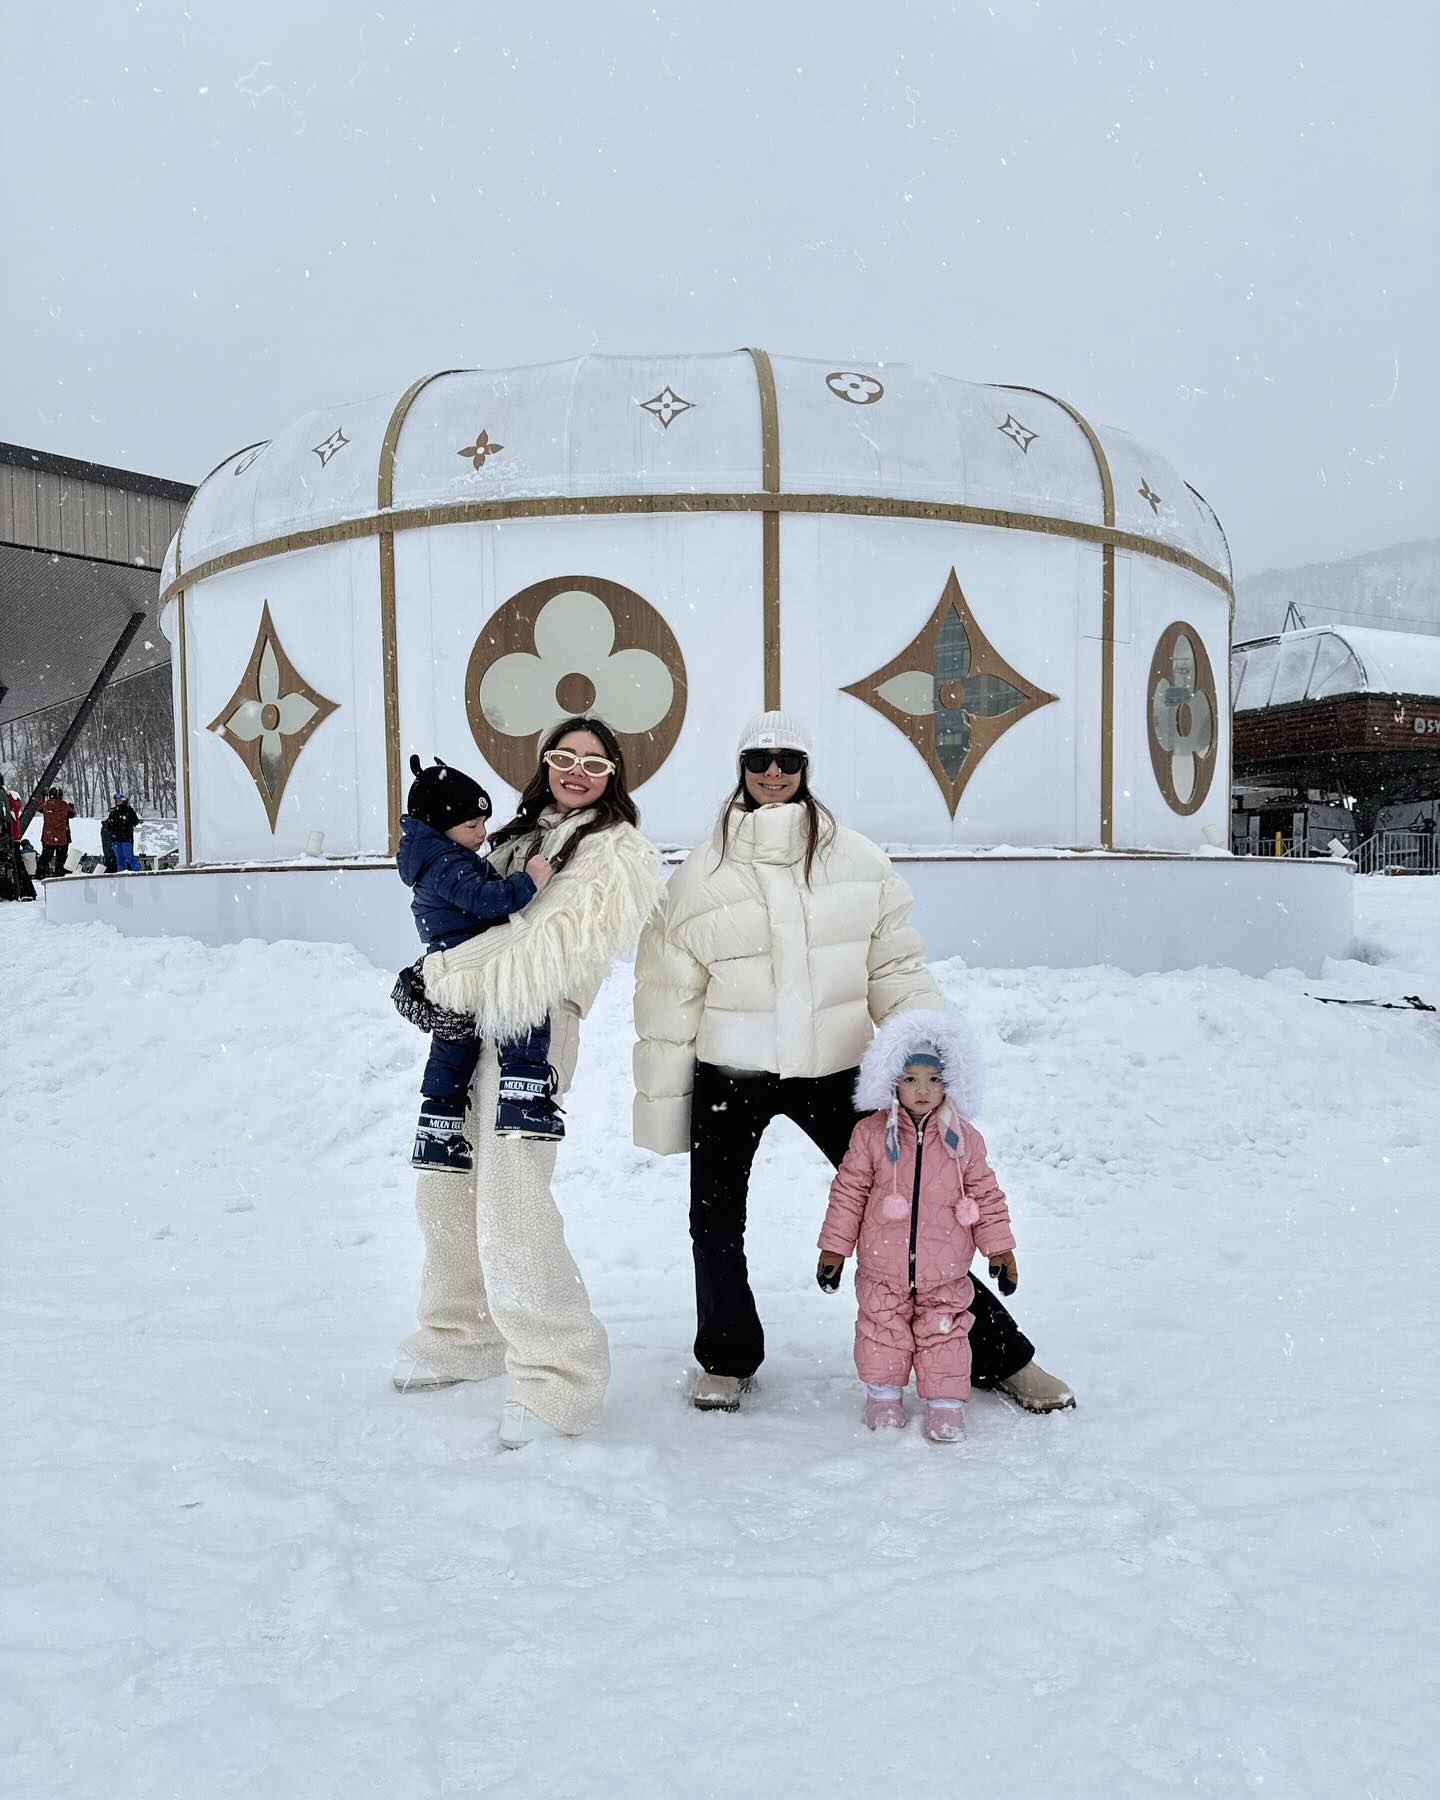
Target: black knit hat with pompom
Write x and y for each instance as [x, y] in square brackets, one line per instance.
[441, 796]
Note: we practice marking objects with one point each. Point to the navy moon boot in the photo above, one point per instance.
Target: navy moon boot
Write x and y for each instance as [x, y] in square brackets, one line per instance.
[525, 1106]
[440, 1141]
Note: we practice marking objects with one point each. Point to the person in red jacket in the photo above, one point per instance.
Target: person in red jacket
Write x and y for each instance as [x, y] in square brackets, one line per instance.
[57, 813]
[15, 882]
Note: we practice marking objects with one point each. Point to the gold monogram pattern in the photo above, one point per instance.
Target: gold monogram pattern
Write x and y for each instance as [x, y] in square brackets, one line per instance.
[271, 716]
[951, 692]
[1181, 715]
[575, 644]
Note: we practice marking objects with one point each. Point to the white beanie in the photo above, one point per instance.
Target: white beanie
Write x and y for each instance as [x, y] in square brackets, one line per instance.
[774, 731]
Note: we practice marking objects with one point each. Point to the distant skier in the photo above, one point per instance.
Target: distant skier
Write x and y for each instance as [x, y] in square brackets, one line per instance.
[120, 822]
[457, 895]
[56, 812]
[915, 1194]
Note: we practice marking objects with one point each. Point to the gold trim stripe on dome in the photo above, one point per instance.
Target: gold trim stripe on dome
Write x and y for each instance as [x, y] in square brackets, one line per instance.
[562, 506]
[770, 504]
[389, 637]
[769, 525]
[176, 588]
[1107, 613]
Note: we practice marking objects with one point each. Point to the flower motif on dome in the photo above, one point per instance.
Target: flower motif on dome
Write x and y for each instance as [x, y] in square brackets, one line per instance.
[271, 716]
[249, 459]
[1181, 715]
[859, 390]
[1148, 494]
[951, 693]
[575, 644]
[1017, 433]
[666, 406]
[481, 450]
[332, 446]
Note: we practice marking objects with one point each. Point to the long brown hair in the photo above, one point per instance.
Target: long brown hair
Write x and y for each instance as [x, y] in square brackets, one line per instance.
[819, 820]
[614, 807]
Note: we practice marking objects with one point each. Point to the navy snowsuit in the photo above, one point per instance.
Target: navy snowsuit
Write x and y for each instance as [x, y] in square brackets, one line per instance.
[456, 895]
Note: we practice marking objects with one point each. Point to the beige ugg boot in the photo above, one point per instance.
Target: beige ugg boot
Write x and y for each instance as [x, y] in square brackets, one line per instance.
[719, 1393]
[1035, 1390]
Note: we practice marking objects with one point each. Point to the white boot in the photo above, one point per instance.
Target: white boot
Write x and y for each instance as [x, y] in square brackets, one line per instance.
[1035, 1390]
[519, 1426]
[411, 1376]
[719, 1393]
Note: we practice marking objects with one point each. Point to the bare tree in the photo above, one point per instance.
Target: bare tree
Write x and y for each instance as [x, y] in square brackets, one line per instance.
[128, 743]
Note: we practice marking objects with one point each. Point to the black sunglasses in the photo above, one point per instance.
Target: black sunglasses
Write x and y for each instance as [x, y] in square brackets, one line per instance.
[789, 762]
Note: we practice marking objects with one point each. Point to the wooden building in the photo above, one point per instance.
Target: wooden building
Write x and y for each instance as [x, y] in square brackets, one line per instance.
[81, 546]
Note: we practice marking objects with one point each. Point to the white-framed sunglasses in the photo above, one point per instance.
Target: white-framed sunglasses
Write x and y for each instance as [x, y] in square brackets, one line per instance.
[564, 762]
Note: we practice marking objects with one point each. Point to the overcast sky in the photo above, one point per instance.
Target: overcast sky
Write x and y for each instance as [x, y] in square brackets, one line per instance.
[1212, 225]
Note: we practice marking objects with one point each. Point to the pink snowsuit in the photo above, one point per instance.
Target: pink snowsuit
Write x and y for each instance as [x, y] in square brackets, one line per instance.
[918, 1221]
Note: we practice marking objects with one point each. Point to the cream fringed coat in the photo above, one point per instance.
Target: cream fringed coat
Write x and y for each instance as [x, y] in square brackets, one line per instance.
[500, 1289]
[747, 967]
[554, 952]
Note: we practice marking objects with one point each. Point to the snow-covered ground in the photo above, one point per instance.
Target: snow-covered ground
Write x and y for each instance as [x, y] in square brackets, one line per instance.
[236, 1563]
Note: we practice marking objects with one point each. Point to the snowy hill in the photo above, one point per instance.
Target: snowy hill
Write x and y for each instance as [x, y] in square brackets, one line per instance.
[237, 1564]
[1397, 589]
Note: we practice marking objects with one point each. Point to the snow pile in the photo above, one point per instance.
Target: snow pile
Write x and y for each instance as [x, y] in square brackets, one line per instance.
[1396, 920]
[238, 1564]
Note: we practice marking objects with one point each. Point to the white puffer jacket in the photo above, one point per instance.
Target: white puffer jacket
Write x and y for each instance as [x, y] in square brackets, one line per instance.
[746, 967]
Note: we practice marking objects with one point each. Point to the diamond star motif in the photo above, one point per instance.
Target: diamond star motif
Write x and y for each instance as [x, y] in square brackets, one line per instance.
[481, 450]
[951, 693]
[271, 716]
[1147, 493]
[332, 446]
[666, 406]
[1017, 433]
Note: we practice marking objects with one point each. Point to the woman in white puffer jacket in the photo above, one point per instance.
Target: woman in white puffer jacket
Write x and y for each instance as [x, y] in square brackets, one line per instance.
[782, 942]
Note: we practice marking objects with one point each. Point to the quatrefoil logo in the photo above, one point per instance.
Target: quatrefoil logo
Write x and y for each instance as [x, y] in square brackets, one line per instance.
[1182, 716]
[859, 390]
[575, 644]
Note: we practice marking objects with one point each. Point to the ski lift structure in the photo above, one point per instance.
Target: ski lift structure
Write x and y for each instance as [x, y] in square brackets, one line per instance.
[1336, 727]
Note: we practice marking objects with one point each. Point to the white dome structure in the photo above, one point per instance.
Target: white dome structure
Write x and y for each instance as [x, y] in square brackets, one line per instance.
[1001, 624]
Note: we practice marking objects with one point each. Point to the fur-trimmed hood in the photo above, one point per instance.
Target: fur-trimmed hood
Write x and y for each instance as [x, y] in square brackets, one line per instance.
[891, 1048]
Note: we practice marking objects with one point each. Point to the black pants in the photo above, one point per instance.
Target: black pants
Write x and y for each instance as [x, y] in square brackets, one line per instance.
[728, 1116]
[52, 859]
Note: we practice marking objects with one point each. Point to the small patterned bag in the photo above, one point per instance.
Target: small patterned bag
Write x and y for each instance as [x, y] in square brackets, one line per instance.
[408, 995]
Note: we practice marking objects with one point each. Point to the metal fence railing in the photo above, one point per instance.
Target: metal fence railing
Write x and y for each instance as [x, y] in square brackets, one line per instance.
[1277, 845]
[1400, 853]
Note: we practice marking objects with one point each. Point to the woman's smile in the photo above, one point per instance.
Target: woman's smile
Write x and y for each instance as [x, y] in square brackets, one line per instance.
[774, 790]
[573, 788]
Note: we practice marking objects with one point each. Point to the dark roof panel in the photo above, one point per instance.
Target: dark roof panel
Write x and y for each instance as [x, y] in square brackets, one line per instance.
[60, 617]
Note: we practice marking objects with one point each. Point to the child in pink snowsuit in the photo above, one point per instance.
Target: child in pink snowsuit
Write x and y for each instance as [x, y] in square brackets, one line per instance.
[917, 1196]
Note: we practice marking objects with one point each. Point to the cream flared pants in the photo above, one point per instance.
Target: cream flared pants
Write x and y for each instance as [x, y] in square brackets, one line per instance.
[500, 1291]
